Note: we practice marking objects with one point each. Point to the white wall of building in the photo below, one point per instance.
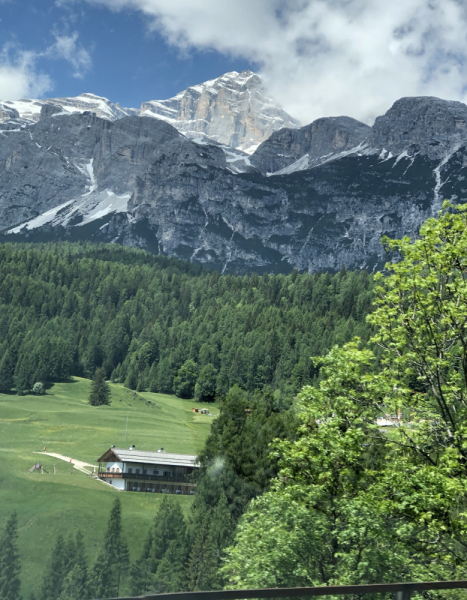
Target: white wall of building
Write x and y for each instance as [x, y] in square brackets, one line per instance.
[117, 483]
[114, 467]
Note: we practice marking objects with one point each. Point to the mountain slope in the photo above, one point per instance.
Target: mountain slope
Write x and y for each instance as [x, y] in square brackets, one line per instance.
[138, 181]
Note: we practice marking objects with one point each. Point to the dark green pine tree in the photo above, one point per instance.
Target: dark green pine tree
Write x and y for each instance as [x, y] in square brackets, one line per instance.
[213, 537]
[7, 370]
[201, 565]
[112, 560]
[141, 577]
[100, 389]
[56, 571]
[10, 565]
[168, 532]
[75, 584]
[169, 574]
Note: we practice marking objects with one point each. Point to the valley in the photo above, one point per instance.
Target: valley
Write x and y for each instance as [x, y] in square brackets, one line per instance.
[49, 504]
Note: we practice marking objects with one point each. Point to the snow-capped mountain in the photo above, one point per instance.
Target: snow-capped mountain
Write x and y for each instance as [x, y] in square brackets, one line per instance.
[312, 198]
[30, 110]
[234, 110]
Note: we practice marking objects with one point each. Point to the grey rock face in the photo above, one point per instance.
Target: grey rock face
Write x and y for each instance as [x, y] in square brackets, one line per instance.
[313, 220]
[7, 113]
[320, 140]
[422, 124]
[138, 181]
[47, 110]
[72, 159]
[235, 110]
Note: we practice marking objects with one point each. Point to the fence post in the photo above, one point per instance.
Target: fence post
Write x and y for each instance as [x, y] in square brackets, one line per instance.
[404, 594]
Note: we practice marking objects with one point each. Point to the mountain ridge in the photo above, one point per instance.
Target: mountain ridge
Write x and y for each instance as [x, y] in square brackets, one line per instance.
[234, 110]
[340, 186]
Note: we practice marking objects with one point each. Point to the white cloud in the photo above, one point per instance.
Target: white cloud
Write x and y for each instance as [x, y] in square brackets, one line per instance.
[328, 57]
[67, 47]
[19, 77]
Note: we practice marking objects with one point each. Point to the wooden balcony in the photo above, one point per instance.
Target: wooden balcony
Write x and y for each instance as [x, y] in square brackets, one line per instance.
[177, 478]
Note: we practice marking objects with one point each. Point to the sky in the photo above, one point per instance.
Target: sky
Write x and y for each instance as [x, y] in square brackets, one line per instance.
[318, 57]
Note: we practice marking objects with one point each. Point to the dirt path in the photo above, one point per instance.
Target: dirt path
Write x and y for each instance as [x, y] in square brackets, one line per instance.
[78, 464]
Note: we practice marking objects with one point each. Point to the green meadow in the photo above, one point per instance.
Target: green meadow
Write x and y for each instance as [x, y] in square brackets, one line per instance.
[62, 420]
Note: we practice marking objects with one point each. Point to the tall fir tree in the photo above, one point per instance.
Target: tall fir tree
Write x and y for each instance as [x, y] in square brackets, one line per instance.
[7, 370]
[214, 534]
[100, 389]
[75, 583]
[56, 570]
[160, 566]
[169, 574]
[112, 560]
[201, 567]
[10, 565]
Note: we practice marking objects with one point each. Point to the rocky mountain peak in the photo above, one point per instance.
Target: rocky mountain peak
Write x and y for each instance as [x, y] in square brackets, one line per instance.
[30, 110]
[431, 126]
[235, 110]
[310, 145]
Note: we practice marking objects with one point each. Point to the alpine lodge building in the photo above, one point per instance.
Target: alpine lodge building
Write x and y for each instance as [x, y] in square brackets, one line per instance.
[141, 471]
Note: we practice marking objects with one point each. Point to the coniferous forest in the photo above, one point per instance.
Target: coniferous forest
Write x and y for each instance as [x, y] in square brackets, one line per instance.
[158, 324]
[162, 325]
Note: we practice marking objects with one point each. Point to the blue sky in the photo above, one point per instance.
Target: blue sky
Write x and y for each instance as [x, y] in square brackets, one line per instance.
[318, 57]
[129, 63]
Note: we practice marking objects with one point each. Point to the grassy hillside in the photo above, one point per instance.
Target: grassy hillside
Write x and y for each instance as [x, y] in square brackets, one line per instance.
[65, 423]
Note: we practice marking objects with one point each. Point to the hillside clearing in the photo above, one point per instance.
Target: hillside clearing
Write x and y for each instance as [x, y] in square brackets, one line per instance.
[64, 423]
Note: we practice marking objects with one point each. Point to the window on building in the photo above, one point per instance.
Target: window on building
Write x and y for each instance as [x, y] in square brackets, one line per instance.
[130, 470]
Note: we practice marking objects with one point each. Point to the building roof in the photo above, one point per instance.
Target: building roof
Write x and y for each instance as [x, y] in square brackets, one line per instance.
[152, 458]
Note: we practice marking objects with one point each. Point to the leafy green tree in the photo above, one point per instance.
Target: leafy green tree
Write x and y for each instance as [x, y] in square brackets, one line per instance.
[421, 326]
[100, 389]
[184, 382]
[38, 388]
[205, 388]
[352, 503]
[314, 527]
[10, 563]
[112, 561]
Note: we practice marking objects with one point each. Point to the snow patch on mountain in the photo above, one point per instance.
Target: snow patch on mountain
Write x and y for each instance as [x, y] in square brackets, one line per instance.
[79, 211]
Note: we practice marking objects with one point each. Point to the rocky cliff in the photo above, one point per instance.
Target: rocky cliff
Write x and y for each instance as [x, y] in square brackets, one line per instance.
[312, 144]
[336, 186]
[234, 110]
